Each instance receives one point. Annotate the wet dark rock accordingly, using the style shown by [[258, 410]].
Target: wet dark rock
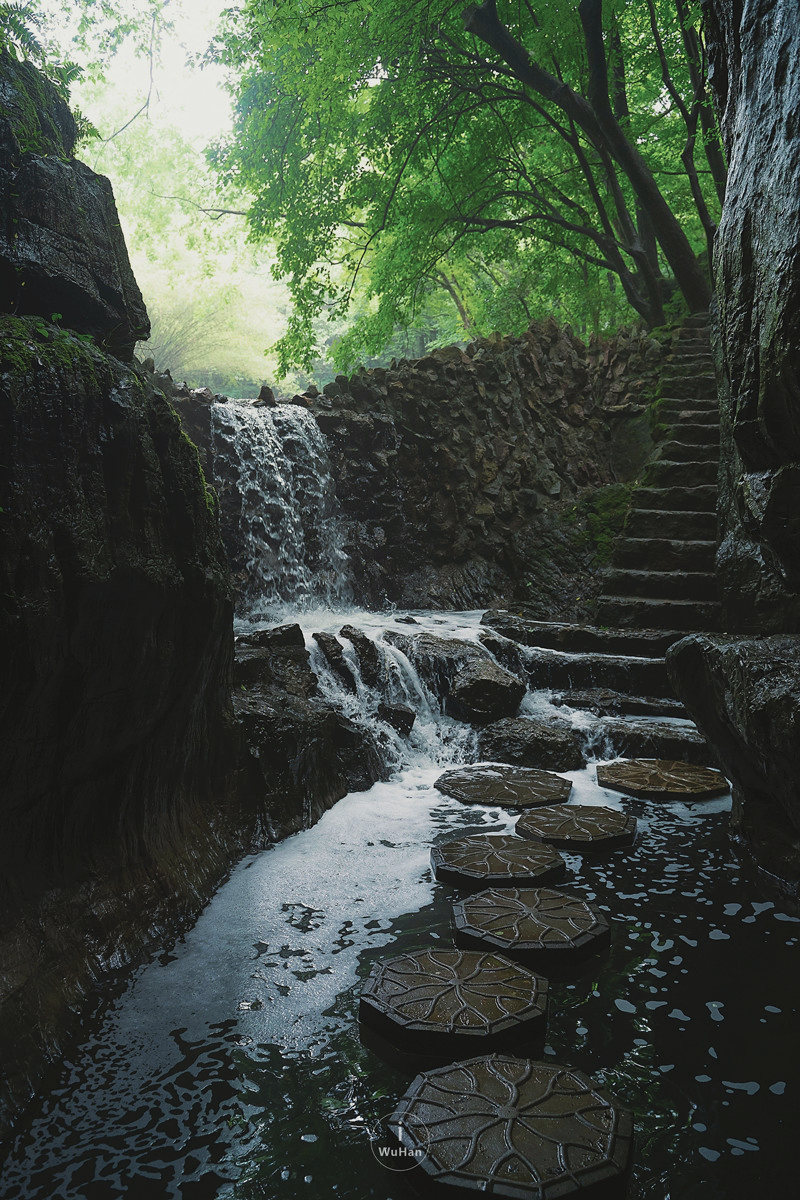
[[273, 658], [458, 474], [401, 717], [650, 739], [532, 743], [463, 1114], [661, 779], [531, 924], [279, 635], [549, 635], [462, 675], [266, 396], [370, 662], [115, 660], [507, 787], [755, 73], [578, 827], [744, 695], [495, 861], [604, 702], [453, 1002], [334, 656], [483, 691], [61, 246]]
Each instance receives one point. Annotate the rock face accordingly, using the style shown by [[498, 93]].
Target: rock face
[[458, 473], [743, 693], [115, 657], [298, 755], [61, 246], [755, 60]]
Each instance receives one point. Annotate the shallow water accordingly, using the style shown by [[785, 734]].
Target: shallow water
[[231, 1066]]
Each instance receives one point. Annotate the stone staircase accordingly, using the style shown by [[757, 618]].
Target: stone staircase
[[662, 569]]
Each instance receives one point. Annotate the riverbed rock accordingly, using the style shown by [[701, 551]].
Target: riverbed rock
[[744, 694], [618, 738], [469, 684], [370, 660], [333, 654], [61, 245], [401, 717], [298, 754], [526, 742]]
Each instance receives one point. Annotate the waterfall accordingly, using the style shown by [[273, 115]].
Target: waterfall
[[274, 461]]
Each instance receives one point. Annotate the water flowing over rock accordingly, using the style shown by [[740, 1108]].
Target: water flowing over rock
[[278, 504], [61, 245]]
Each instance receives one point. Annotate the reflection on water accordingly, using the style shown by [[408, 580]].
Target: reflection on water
[[231, 1067]]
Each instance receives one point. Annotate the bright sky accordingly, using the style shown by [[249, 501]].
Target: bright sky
[[193, 100]]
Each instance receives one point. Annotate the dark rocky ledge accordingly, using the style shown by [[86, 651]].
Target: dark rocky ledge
[[744, 694]]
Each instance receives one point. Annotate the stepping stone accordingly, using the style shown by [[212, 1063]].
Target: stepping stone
[[662, 779], [531, 923], [515, 1128], [505, 787], [495, 860], [578, 827], [454, 1002]]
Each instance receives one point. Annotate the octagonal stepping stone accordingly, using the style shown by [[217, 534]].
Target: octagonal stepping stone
[[578, 827], [662, 779], [495, 860], [453, 1002], [517, 1129], [504, 786], [531, 923]]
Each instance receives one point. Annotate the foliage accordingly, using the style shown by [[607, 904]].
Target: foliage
[[386, 141]]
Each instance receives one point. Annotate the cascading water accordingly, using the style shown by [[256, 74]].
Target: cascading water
[[276, 461]]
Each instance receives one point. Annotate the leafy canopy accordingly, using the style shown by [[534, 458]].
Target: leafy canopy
[[387, 143]]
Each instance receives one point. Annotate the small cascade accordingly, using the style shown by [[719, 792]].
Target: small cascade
[[275, 461]]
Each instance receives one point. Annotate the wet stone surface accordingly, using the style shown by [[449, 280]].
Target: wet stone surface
[[446, 1001], [528, 923], [661, 779], [515, 1128], [504, 786], [495, 860], [578, 827]]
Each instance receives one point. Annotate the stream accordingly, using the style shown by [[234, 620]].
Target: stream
[[230, 1065]]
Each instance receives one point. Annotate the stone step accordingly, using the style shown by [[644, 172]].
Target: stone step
[[657, 523], [604, 702], [679, 451], [694, 499], [663, 554], [702, 387], [571, 672], [666, 585], [638, 612], [686, 366], [551, 635], [701, 412], [697, 433], [614, 737], [664, 473]]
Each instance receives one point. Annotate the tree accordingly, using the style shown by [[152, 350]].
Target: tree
[[383, 139]]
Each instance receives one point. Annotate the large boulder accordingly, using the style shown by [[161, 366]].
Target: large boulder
[[298, 755], [744, 694], [61, 246], [526, 742], [462, 675]]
